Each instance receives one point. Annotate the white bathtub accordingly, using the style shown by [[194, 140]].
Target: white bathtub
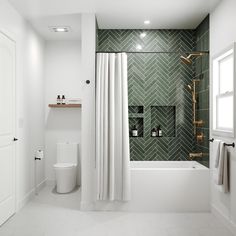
[[148, 165], [166, 186]]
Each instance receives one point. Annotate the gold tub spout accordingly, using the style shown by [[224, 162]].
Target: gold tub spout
[[195, 155]]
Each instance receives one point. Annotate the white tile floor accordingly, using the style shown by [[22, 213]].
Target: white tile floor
[[50, 214]]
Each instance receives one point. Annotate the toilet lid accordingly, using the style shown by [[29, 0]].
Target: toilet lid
[[64, 165]]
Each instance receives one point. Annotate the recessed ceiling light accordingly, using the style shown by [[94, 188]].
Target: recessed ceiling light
[[139, 47], [59, 29], [147, 22], [143, 35]]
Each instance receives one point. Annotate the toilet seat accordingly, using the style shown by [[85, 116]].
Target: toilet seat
[[64, 165]]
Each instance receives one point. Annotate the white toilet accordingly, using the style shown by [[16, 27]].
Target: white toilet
[[66, 167]]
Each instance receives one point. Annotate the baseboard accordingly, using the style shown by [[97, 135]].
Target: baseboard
[[50, 182], [41, 185], [87, 206], [29, 196], [226, 221]]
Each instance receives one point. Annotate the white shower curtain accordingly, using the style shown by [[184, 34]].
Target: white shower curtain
[[112, 128]]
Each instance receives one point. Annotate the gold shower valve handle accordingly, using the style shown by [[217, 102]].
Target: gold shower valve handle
[[200, 137], [198, 122]]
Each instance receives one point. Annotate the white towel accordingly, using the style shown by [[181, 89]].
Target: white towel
[[220, 164], [221, 167], [217, 145], [216, 152]]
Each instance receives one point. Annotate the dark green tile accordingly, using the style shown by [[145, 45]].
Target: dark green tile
[[160, 80]]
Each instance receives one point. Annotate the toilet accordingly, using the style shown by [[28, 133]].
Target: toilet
[[66, 167]]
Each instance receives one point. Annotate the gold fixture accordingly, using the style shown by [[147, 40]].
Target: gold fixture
[[200, 137], [198, 123], [195, 155], [187, 60]]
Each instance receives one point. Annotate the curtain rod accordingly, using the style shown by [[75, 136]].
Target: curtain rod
[[151, 52]]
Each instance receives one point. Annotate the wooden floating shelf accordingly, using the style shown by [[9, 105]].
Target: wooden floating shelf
[[64, 105]]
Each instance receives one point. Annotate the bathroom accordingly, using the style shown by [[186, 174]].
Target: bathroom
[[114, 118]]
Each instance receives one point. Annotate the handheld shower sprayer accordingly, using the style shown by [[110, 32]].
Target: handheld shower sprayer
[[191, 89]]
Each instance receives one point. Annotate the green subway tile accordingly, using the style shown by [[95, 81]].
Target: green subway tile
[[202, 28]]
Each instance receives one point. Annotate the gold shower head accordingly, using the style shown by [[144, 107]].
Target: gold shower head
[[187, 60]]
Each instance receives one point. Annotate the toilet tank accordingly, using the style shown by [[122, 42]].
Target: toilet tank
[[67, 152]]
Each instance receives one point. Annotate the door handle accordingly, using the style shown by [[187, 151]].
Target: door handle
[[15, 139]]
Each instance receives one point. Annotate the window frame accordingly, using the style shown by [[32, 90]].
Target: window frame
[[216, 95]]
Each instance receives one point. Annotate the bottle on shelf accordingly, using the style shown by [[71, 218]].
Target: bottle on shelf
[[159, 131], [134, 131], [58, 99], [63, 99], [153, 132]]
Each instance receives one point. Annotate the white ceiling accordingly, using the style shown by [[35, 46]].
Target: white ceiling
[[118, 14]]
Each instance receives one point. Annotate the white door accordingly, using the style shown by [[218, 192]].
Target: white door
[[7, 127]]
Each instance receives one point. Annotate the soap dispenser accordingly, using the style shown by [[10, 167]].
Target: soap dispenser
[[63, 100], [58, 99], [159, 131], [134, 131], [154, 132]]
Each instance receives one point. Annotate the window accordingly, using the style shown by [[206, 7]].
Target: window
[[223, 93]]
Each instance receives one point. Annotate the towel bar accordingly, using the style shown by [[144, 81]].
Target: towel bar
[[225, 144], [229, 144]]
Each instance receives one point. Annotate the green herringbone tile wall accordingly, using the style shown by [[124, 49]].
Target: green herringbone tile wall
[[165, 117], [157, 81], [155, 40], [202, 71]]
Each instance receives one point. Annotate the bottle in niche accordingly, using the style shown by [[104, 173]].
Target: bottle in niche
[[63, 99], [134, 131], [58, 99], [154, 132], [159, 131]]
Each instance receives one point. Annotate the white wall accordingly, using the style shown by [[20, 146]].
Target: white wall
[[88, 49], [222, 34], [63, 76], [29, 98]]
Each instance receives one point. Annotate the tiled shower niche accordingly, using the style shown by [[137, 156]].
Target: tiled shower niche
[[136, 110], [165, 117], [138, 123], [136, 115]]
